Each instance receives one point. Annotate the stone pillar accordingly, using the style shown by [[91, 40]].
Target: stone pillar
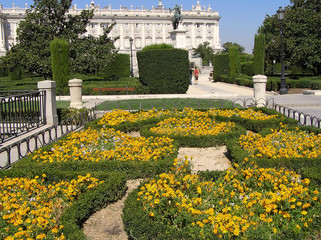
[[51, 109], [75, 93], [259, 86], [179, 38]]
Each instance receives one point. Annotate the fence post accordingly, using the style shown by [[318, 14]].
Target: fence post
[[259, 86], [75, 93], [50, 101]]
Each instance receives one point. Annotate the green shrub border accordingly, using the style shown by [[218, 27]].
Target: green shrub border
[[88, 203], [307, 167], [138, 224], [111, 190], [259, 125], [197, 141]]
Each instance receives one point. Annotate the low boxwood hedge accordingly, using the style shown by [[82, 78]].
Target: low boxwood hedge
[[307, 167], [198, 141], [125, 126], [89, 202], [138, 224], [259, 125]]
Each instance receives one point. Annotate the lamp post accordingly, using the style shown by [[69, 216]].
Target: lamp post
[[131, 57], [283, 89]]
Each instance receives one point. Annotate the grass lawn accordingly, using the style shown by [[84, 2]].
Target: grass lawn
[[62, 104], [178, 103]]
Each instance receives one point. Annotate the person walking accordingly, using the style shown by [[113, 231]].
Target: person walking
[[191, 76], [196, 75]]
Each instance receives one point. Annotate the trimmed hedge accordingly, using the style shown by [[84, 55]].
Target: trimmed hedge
[[59, 49], [198, 141], [247, 68], [307, 167], [221, 65], [164, 71], [259, 52], [257, 125], [119, 68], [138, 224], [90, 202], [113, 188], [234, 63]]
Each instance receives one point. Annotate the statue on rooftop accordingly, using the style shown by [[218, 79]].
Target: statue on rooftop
[[177, 18]]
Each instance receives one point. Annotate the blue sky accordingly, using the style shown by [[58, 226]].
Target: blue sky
[[239, 22]]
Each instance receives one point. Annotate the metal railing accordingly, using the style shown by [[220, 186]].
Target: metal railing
[[21, 148], [20, 112]]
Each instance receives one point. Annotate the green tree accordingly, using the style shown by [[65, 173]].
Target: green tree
[[91, 55], [45, 20], [259, 48], [59, 49], [205, 52], [271, 31], [233, 53], [227, 45], [302, 35]]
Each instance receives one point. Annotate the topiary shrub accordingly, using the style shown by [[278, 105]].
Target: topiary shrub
[[164, 71], [158, 46], [259, 51], [221, 65], [119, 68], [233, 53], [247, 68], [59, 49]]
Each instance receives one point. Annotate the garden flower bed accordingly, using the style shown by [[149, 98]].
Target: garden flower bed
[[249, 203], [30, 209], [105, 149], [242, 202]]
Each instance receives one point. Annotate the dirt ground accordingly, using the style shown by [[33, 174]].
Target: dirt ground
[[107, 223]]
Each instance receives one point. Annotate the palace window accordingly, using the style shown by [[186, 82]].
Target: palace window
[[126, 25]]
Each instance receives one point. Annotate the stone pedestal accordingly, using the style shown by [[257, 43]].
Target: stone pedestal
[[51, 109], [179, 38], [75, 93], [259, 86]]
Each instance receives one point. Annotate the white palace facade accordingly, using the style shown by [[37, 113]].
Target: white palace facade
[[144, 26]]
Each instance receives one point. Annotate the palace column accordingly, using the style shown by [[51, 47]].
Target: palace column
[[3, 49], [143, 35], [216, 34], [193, 43], [121, 33], [153, 33]]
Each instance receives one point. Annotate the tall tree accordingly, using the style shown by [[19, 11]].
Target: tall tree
[[302, 35], [45, 20], [205, 52], [227, 45], [90, 54]]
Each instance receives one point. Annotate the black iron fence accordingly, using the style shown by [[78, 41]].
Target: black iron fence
[[46, 135], [20, 112]]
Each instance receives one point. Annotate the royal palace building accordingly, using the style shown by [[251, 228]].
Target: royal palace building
[[143, 26]]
